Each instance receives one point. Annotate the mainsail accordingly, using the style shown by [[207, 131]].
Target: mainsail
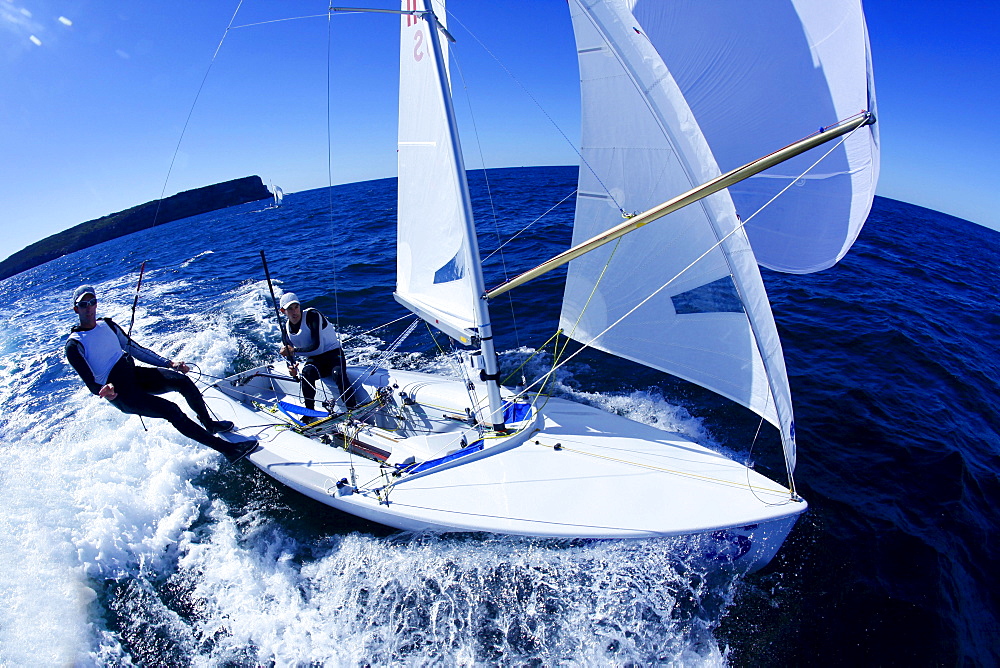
[[437, 269]]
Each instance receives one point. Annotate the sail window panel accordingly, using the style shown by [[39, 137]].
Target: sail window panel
[[655, 334], [453, 271], [430, 236], [714, 350], [656, 253], [448, 299], [645, 260], [719, 296]]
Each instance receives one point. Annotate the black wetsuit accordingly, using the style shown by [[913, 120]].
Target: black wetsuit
[[137, 387]]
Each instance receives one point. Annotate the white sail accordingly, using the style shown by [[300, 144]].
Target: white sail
[[436, 274], [641, 145], [760, 75], [682, 294]]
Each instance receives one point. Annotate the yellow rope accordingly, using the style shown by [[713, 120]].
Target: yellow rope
[[434, 338], [532, 356], [593, 291], [557, 352]]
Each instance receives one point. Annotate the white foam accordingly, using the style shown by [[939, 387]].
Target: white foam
[[359, 600], [187, 263], [88, 497]]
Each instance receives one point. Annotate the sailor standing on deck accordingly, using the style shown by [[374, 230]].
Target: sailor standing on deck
[[102, 354], [312, 335]]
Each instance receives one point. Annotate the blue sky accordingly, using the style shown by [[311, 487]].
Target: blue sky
[[96, 93]]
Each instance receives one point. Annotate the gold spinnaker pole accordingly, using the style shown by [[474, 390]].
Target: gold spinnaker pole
[[690, 197]]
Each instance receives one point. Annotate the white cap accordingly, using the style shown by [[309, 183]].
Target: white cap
[[84, 290], [288, 299]]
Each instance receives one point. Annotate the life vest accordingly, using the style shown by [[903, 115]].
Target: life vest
[[101, 349], [328, 339]]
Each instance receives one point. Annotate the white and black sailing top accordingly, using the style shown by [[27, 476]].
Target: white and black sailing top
[[316, 337], [95, 352]]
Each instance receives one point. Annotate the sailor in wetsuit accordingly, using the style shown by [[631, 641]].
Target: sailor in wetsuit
[[312, 335], [102, 354]]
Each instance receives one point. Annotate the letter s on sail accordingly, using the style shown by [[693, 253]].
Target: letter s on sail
[[418, 38]]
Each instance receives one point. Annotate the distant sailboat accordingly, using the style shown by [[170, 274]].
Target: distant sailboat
[[279, 196], [665, 95]]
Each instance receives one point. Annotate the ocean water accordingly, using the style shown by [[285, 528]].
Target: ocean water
[[125, 543]]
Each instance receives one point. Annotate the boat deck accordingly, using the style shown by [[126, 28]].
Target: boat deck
[[575, 472]]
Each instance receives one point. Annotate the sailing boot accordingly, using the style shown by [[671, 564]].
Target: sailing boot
[[234, 452], [217, 426]]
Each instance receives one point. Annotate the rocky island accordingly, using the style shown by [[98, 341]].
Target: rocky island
[[182, 205]]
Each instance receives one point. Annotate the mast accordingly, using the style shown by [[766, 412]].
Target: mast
[[490, 374], [471, 322]]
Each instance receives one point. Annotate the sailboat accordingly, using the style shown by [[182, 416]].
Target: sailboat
[[279, 196], [692, 172]]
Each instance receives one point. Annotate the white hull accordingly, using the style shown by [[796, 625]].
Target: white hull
[[570, 471]]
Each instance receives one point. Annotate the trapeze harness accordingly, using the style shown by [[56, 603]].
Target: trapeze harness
[[95, 352], [304, 338], [104, 355]]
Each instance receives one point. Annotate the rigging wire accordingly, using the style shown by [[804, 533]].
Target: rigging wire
[[682, 473], [194, 103], [526, 227], [329, 163], [290, 18], [452, 356], [489, 193], [739, 226], [390, 349], [375, 329], [746, 467], [524, 89]]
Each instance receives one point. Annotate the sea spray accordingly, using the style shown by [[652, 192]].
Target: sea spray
[[431, 599]]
